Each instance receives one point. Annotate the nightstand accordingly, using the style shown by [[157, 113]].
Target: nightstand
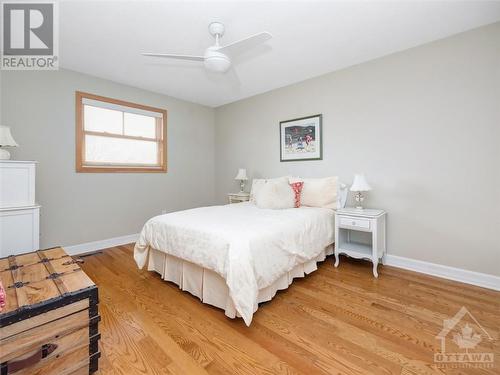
[[360, 234], [238, 197]]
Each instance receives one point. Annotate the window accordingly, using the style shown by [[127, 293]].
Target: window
[[117, 136]]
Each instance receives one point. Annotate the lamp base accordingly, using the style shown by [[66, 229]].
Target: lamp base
[[359, 199], [4, 154]]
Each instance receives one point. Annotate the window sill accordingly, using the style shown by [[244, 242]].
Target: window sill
[[113, 169]]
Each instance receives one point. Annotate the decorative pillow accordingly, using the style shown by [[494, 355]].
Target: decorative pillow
[[275, 194], [258, 183], [319, 192], [297, 188]]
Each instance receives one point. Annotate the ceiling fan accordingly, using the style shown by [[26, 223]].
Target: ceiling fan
[[217, 58]]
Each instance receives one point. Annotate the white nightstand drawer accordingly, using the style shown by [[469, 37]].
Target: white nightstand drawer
[[355, 223], [238, 198]]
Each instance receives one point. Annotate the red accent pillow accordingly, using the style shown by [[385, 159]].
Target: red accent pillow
[[297, 188]]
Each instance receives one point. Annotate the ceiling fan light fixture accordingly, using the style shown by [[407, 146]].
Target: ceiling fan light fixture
[[218, 63]]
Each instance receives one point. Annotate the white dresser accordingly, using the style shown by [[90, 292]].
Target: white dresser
[[19, 213]]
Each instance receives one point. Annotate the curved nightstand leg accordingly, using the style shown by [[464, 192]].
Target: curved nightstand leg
[[375, 273], [336, 260]]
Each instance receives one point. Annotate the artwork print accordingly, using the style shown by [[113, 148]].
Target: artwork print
[[301, 139]]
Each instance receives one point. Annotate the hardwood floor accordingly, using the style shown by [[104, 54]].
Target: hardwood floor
[[334, 321]]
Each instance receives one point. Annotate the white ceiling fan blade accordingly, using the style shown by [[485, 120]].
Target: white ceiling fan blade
[[172, 56], [245, 44]]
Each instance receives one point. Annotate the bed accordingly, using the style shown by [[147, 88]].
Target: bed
[[238, 255]]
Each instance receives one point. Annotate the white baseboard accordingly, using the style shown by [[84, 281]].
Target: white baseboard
[[89, 247], [457, 274]]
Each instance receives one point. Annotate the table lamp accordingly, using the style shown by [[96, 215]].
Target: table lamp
[[359, 185], [242, 177]]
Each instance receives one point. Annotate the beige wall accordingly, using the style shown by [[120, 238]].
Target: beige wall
[[423, 124], [84, 207]]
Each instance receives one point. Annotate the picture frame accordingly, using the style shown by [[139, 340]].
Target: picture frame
[[301, 139]]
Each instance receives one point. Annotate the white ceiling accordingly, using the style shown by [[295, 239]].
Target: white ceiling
[[310, 38]]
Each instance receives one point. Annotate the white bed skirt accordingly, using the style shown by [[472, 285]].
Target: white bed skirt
[[211, 288]]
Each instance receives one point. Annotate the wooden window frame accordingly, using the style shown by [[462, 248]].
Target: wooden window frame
[[161, 124]]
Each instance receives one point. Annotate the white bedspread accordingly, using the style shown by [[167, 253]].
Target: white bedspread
[[248, 246]]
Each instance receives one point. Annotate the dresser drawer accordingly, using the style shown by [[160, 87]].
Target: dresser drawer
[[352, 222], [17, 183], [20, 230]]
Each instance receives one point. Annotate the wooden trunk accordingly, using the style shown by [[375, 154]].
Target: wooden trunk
[[49, 324]]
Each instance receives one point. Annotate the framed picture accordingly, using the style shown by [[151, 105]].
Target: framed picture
[[300, 139]]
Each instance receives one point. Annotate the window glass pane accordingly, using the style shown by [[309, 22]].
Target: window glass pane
[[120, 151], [102, 120], [139, 125]]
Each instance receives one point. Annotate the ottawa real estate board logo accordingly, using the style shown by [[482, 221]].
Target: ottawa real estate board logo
[[30, 39], [463, 342]]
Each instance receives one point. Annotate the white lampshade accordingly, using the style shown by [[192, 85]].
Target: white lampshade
[[6, 138], [242, 174], [360, 183]]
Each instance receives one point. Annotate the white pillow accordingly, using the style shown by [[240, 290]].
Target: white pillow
[[319, 192], [258, 183], [275, 194]]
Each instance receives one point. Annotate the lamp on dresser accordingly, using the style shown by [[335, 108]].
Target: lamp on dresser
[[6, 140]]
